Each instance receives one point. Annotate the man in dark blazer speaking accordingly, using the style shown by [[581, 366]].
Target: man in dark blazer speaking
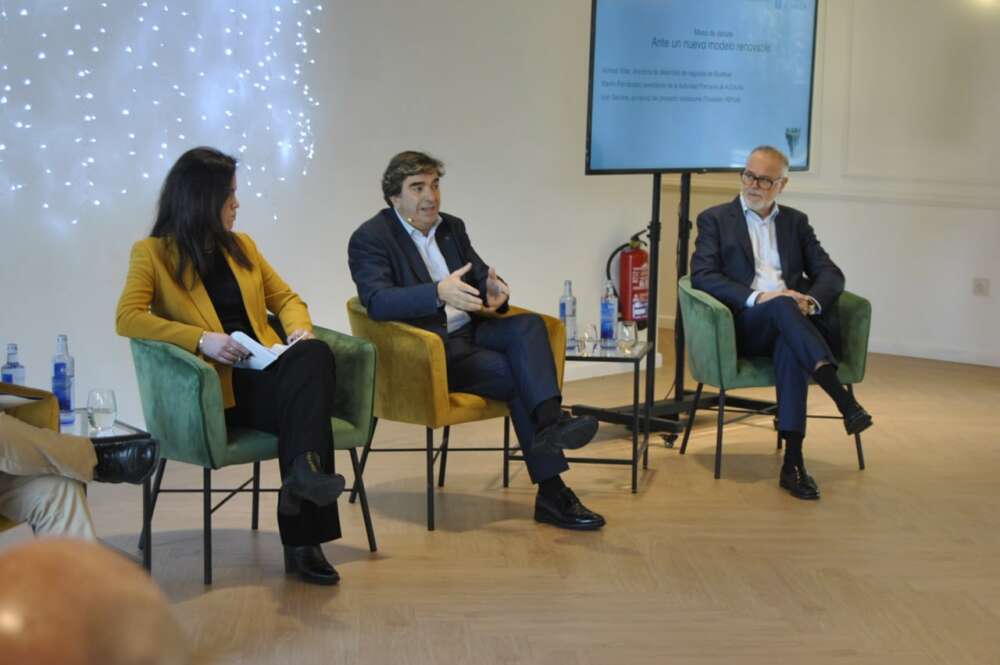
[[415, 264], [765, 263]]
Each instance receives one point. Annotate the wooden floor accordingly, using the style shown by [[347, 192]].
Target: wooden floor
[[899, 563]]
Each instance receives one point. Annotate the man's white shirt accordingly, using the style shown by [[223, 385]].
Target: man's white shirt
[[433, 259], [767, 261]]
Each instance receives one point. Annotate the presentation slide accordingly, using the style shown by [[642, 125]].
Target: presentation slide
[[678, 85]]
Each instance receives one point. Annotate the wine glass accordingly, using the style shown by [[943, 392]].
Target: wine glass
[[588, 340], [627, 336], [102, 410]]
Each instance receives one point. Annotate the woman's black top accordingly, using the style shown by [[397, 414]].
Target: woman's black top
[[224, 291]]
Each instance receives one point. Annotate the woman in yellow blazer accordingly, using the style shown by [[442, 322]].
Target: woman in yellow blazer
[[193, 283]]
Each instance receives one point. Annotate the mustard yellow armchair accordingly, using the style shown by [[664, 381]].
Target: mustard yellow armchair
[[42, 413], [411, 386]]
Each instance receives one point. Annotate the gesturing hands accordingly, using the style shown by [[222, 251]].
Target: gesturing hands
[[497, 291], [453, 291], [222, 348]]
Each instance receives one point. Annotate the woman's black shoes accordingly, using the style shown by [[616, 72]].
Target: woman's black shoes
[[857, 420], [306, 481], [310, 565]]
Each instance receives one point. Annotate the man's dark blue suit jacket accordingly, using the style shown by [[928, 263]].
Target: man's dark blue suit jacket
[[723, 261], [392, 280]]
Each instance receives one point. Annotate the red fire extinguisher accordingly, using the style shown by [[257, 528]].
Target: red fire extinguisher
[[633, 278], [633, 281]]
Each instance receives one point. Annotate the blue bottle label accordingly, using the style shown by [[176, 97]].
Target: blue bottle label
[[608, 320], [62, 385], [7, 378]]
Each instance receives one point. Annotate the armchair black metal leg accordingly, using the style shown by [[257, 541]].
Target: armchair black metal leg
[[364, 463], [255, 503], [444, 456], [506, 451], [857, 436], [690, 422], [152, 501], [430, 479], [207, 504], [365, 513], [778, 435], [147, 518], [718, 433]]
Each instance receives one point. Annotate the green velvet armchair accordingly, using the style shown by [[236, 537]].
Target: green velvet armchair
[[411, 386], [182, 404], [710, 338]]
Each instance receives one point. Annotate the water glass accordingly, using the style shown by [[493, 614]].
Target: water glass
[[102, 409], [589, 340], [627, 336]]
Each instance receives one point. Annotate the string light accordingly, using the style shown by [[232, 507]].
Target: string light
[[128, 77]]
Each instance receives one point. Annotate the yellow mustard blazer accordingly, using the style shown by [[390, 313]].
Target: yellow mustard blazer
[[153, 305]]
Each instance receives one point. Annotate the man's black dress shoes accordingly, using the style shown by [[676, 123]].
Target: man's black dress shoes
[[310, 565], [799, 483], [857, 420], [125, 461], [566, 512], [306, 481], [569, 432]]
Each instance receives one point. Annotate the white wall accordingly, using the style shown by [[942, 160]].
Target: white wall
[[497, 90], [903, 190]]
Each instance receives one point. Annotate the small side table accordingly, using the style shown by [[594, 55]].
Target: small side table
[[120, 431], [635, 356]]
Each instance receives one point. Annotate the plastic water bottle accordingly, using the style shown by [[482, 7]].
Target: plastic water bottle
[[12, 371], [609, 316], [63, 371], [567, 313]]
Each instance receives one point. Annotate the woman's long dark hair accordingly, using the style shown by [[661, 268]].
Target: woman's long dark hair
[[189, 213]]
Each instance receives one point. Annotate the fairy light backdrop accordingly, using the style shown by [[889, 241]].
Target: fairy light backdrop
[[98, 98]]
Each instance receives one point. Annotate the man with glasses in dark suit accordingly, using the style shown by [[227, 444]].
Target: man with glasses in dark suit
[[765, 263]]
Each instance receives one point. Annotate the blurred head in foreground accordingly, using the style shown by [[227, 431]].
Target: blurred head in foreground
[[73, 602]]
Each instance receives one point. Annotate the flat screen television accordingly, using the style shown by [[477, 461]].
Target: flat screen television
[[695, 85]]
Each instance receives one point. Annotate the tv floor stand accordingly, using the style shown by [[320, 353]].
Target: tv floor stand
[[668, 415]]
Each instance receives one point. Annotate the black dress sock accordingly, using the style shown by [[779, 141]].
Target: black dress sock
[[547, 412], [793, 450], [826, 377], [550, 487]]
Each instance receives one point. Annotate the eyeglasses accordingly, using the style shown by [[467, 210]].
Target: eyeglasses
[[764, 182]]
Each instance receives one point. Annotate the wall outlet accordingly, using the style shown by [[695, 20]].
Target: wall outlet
[[981, 286]]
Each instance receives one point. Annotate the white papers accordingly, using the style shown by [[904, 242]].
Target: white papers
[[261, 356]]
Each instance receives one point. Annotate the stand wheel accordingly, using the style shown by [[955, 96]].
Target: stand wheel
[[668, 440]]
